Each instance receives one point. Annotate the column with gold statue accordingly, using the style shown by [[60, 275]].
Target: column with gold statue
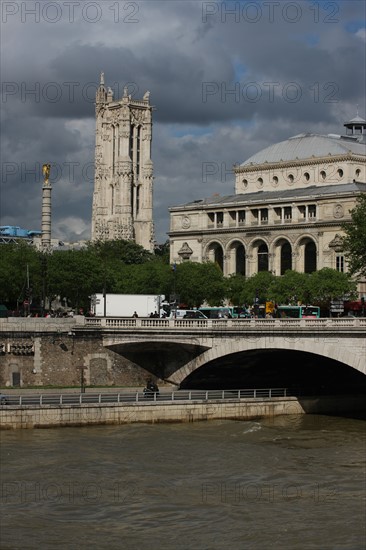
[[46, 207]]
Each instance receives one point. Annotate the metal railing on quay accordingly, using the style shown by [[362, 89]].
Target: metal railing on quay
[[141, 397]]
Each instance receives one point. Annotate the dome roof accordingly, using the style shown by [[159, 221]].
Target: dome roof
[[307, 146], [356, 120]]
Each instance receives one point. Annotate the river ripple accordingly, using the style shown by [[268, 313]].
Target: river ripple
[[294, 482]]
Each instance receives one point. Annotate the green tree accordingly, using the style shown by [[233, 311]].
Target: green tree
[[354, 242], [153, 277], [163, 251], [196, 283], [75, 275], [120, 250], [257, 286], [235, 285], [119, 260], [290, 288], [328, 284], [18, 261]]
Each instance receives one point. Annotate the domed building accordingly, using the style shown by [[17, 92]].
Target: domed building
[[290, 202]]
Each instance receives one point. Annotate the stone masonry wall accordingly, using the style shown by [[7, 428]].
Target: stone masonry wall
[[61, 360]]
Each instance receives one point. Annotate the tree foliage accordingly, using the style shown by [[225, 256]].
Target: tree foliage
[[196, 283], [290, 288], [328, 284], [121, 267], [20, 264], [235, 285], [354, 242], [123, 251], [74, 275]]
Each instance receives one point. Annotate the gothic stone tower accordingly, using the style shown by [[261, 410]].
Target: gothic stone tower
[[123, 187]]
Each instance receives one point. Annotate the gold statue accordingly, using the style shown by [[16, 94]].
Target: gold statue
[[46, 170]]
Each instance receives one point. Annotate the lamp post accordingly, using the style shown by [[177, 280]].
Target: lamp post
[[104, 296], [103, 258], [44, 278], [82, 379], [174, 268]]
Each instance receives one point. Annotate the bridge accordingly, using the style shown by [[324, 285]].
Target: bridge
[[204, 353], [202, 342]]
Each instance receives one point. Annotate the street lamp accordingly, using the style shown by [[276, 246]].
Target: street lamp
[[44, 278], [82, 378], [173, 298]]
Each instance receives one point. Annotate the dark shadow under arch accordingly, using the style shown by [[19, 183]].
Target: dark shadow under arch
[[302, 373]]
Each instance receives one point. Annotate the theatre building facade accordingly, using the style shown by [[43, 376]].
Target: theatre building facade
[[290, 202]]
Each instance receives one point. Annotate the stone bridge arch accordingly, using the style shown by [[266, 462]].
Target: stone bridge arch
[[349, 357]]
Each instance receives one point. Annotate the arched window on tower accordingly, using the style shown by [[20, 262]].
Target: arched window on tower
[[262, 257], [112, 199], [137, 198], [114, 148], [138, 138], [130, 148]]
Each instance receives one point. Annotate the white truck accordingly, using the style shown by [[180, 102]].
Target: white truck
[[126, 305]]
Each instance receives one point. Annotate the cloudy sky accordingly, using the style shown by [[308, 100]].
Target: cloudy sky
[[226, 78]]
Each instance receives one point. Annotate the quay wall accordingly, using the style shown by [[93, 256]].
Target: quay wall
[[51, 416]]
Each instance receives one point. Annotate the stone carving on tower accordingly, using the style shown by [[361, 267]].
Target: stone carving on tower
[[123, 188]]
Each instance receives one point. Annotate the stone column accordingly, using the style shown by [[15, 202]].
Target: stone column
[[46, 208]]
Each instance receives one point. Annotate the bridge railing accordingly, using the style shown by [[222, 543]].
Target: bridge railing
[[221, 324], [163, 397], [49, 325]]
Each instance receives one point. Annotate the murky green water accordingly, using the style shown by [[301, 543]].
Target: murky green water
[[295, 482]]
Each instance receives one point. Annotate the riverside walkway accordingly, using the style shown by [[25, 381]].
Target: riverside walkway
[[87, 409], [69, 398]]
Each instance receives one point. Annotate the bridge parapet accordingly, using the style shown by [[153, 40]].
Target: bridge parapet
[[39, 325], [224, 324]]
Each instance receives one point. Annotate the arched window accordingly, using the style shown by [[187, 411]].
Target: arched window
[[138, 139], [114, 148], [286, 257], [262, 257], [310, 257], [219, 257], [216, 254], [137, 199], [112, 199], [240, 259]]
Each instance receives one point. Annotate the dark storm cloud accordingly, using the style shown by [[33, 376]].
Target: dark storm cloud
[[224, 87]]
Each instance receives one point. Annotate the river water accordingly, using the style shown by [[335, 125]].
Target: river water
[[292, 482]]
